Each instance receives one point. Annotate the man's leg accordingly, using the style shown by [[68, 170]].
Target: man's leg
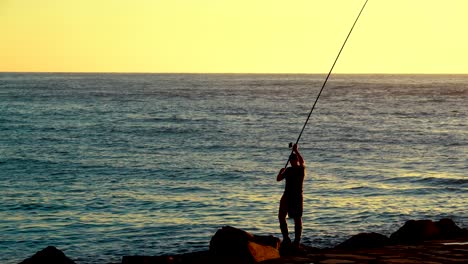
[[297, 230], [283, 211]]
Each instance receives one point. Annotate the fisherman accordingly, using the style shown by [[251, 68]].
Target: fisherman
[[291, 202]]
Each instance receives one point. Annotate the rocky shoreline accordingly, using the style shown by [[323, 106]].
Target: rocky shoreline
[[417, 241]]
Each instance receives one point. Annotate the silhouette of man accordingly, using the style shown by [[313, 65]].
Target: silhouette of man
[[291, 202]]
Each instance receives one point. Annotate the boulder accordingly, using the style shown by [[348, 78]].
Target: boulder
[[243, 246], [448, 229], [365, 240], [420, 230], [415, 231], [49, 255]]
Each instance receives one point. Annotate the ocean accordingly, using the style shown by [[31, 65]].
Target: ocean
[[107, 165]]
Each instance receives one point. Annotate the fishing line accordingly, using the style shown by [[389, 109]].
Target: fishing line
[[326, 79]]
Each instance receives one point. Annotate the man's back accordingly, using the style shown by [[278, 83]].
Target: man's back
[[294, 180]]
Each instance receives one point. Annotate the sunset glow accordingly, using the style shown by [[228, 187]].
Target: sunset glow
[[259, 36]]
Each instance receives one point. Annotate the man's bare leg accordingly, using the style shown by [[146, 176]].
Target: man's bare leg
[[282, 213], [297, 230]]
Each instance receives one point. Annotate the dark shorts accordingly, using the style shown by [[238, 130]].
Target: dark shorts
[[293, 205]]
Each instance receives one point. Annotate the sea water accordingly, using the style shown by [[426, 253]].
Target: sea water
[[106, 165]]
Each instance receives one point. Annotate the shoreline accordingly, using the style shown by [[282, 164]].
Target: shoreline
[[417, 241], [434, 252]]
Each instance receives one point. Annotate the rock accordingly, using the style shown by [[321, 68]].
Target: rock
[[287, 249], [448, 229], [243, 246], [420, 230], [49, 255], [415, 231], [204, 257], [261, 252], [267, 241], [365, 240], [147, 259]]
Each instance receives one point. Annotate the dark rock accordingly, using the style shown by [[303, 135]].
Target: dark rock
[[365, 240], [243, 246], [420, 230], [289, 249], [414, 231], [229, 240], [267, 241], [448, 229], [204, 257], [49, 255], [147, 260]]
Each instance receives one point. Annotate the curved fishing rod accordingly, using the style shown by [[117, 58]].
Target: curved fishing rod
[[328, 76]]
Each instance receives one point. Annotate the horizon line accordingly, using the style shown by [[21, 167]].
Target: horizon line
[[252, 73]]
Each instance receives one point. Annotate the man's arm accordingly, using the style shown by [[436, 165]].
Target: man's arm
[[280, 176], [299, 156]]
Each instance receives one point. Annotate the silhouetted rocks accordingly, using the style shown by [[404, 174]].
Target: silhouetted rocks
[[433, 242], [365, 240], [243, 246], [421, 230], [49, 255], [413, 231]]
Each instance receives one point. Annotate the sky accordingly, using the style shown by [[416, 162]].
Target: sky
[[233, 36]]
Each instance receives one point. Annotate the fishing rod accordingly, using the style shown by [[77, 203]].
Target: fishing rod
[[326, 79]]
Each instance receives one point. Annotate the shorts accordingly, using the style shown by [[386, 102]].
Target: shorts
[[293, 205]]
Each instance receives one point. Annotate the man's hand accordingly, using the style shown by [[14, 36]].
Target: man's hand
[[299, 156], [280, 176], [294, 148]]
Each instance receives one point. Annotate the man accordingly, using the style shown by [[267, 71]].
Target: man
[[292, 200]]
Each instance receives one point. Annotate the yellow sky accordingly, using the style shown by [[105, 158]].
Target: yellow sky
[[249, 36]]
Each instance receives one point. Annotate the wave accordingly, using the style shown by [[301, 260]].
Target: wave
[[169, 119], [431, 181], [442, 181], [36, 207]]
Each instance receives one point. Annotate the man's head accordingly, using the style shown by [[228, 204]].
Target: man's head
[[294, 160]]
